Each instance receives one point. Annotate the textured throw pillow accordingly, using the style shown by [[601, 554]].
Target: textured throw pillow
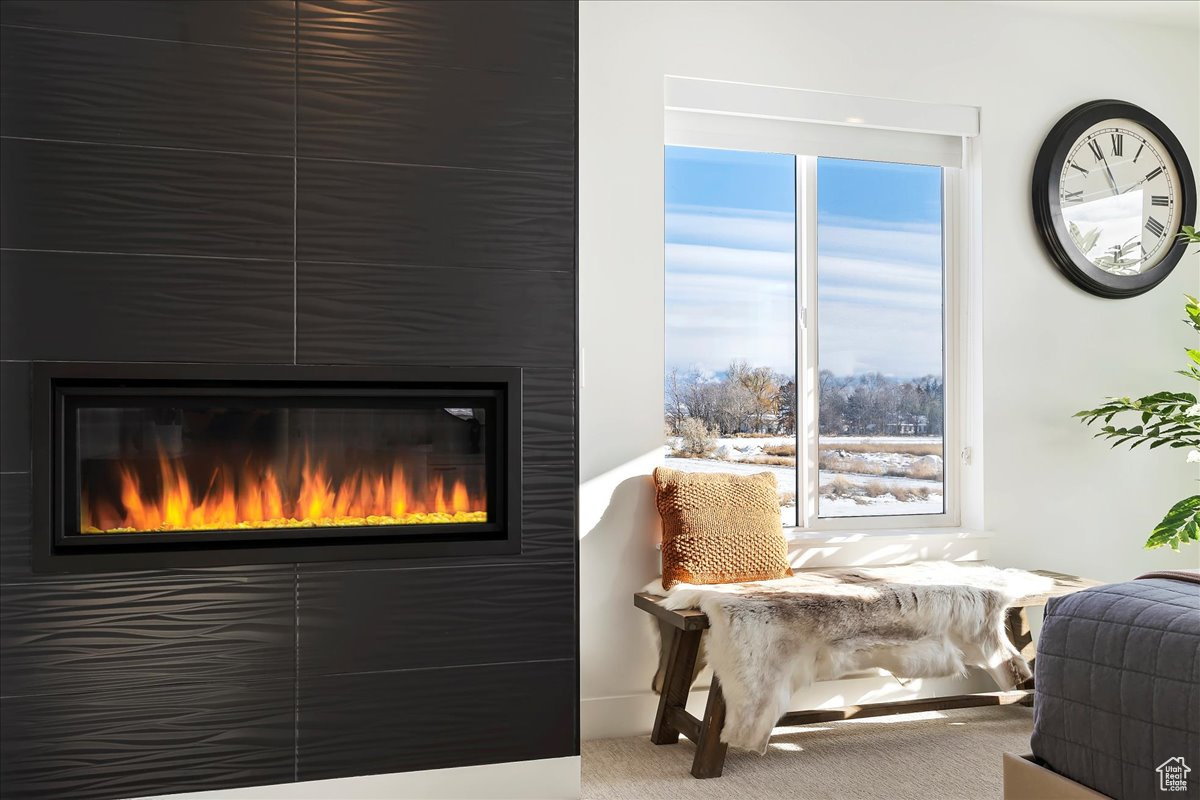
[[719, 528]]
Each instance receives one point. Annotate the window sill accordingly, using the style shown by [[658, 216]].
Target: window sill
[[819, 549], [800, 537]]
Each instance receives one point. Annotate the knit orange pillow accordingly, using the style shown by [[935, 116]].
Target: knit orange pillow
[[719, 527]]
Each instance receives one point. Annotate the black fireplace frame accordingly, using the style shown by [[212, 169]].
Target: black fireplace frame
[[56, 550]]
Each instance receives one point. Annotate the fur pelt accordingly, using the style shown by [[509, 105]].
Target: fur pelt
[[768, 639]]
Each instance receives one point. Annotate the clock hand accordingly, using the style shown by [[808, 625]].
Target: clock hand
[[1134, 186], [1112, 182]]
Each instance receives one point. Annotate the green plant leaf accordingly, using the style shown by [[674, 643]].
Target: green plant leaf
[[1180, 525], [1193, 305], [1164, 419]]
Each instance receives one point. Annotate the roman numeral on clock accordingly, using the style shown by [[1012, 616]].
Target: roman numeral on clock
[[1139, 152], [1155, 227], [1073, 197], [1095, 148], [1160, 200], [1076, 166], [1153, 173], [1118, 144]]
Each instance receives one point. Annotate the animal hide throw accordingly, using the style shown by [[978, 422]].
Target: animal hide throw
[[767, 639]]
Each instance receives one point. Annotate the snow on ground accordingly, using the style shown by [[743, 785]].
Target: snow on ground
[[883, 506], [732, 449], [884, 440], [830, 441], [785, 477]]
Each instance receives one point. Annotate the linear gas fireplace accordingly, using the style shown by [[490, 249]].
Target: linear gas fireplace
[[140, 465]]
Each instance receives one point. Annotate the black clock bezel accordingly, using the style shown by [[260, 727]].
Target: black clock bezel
[[1047, 208]]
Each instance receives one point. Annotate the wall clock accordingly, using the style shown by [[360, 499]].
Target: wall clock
[[1111, 189]]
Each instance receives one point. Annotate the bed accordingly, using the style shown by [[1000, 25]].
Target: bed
[[1117, 706]]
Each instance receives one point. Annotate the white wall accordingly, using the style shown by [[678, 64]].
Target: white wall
[[1052, 497]]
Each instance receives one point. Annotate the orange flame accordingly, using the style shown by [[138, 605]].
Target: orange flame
[[256, 498]]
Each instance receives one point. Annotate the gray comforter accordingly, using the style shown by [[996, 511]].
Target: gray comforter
[[1118, 688]]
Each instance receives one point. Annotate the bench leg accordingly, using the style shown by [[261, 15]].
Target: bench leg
[[677, 682], [710, 750], [1016, 623], [665, 632]]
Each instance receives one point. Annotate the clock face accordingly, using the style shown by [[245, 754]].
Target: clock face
[[1120, 196]]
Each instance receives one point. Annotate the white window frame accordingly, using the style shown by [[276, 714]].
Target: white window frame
[[714, 115]]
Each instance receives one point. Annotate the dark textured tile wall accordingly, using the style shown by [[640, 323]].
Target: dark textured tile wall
[[261, 24], [101, 198], [357, 313], [471, 615], [549, 508], [369, 212], [549, 415], [89, 635], [390, 110], [281, 182], [14, 411], [145, 92], [522, 37], [145, 308], [16, 525], [490, 713], [132, 741]]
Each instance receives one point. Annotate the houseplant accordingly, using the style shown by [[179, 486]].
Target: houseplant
[[1170, 419]]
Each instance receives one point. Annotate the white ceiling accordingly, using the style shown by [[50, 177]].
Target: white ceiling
[[1171, 13]]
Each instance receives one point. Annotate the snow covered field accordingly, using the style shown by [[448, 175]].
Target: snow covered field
[[858, 486]]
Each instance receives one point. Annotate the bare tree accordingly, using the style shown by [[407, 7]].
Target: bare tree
[[756, 399], [676, 406]]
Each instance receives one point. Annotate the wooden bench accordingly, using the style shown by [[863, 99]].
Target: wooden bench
[[682, 630]]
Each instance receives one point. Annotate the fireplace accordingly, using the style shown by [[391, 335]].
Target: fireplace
[[148, 465]]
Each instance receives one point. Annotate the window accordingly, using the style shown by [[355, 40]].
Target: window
[[731, 314], [881, 411], [805, 330]]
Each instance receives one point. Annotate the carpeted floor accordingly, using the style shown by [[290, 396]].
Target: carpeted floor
[[936, 755]]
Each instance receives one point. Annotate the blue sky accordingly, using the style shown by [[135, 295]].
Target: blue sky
[[730, 260]]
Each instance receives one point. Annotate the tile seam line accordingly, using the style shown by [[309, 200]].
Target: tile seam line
[[393, 264], [52, 579], [295, 182], [295, 358], [436, 668], [142, 147], [285, 261], [102, 35], [124, 254], [296, 155], [310, 573]]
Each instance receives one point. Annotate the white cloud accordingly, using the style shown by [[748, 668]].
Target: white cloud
[[725, 303], [874, 285], [900, 342], [731, 293], [726, 227], [731, 261], [912, 244], [866, 223]]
